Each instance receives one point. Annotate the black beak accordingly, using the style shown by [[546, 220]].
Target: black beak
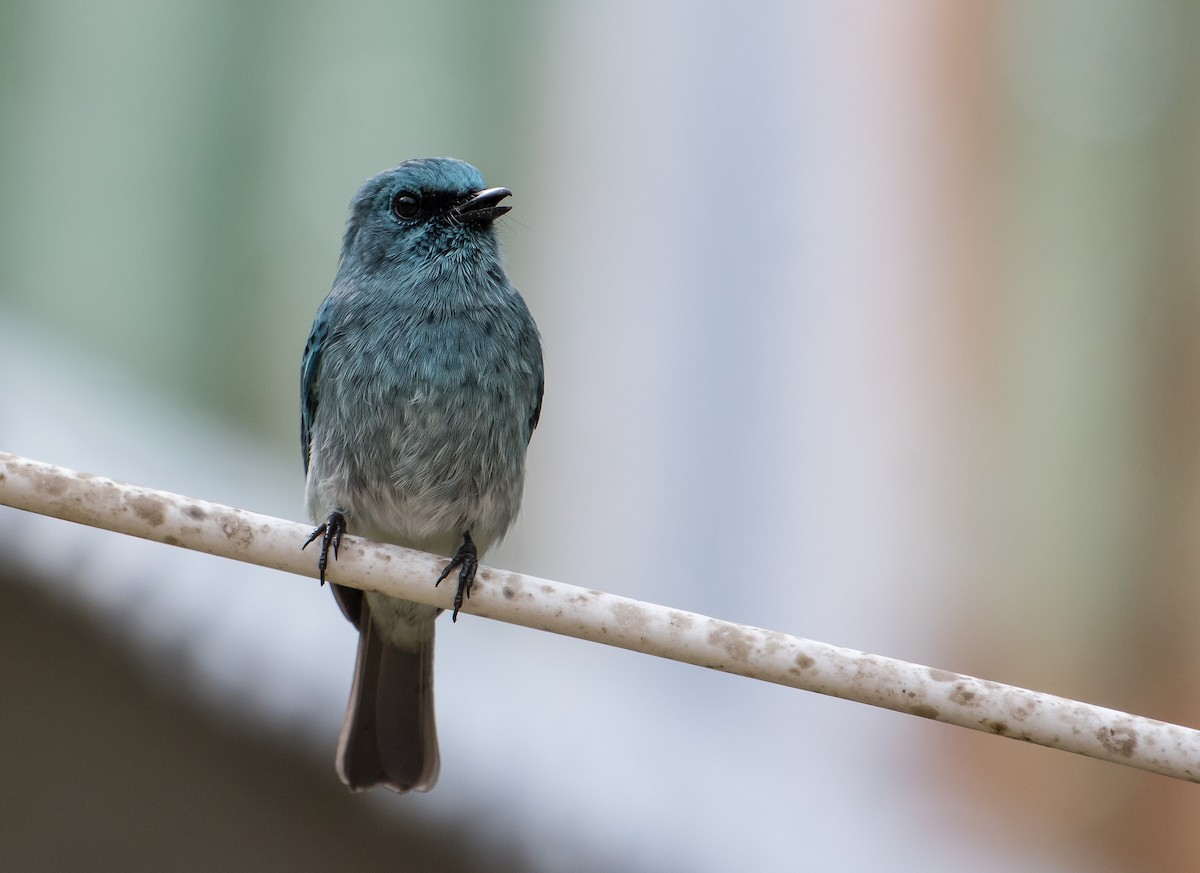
[[481, 207]]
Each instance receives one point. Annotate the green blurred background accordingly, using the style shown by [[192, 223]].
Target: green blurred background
[[177, 174]]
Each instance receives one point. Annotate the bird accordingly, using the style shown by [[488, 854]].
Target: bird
[[421, 385]]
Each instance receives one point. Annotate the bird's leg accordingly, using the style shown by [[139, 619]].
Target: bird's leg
[[330, 532], [467, 561]]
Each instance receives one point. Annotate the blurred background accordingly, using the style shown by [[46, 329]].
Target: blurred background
[[871, 322]]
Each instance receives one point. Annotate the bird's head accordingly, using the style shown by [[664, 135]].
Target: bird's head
[[429, 213]]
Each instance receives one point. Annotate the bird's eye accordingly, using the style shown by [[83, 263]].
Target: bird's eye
[[406, 205]]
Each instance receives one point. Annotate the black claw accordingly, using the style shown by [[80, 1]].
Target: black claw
[[330, 533], [467, 561]]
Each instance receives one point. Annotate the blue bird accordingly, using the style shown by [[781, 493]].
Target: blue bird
[[421, 385]]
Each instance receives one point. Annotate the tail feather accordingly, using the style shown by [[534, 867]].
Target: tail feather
[[389, 738]]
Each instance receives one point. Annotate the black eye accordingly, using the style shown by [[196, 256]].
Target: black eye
[[406, 205]]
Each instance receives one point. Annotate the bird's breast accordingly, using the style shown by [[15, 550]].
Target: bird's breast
[[422, 429]]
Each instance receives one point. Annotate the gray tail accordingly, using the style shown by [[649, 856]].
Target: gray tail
[[389, 738]]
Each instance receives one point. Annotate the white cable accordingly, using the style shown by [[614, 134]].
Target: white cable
[[953, 698]]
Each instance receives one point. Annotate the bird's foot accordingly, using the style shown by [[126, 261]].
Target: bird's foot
[[330, 533], [467, 561]]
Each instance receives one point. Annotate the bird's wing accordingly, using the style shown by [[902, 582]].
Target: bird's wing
[[532, 344], [309, 369], [536, 415], [349, 599]]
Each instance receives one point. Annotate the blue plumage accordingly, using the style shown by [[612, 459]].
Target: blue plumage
[[421, 385]]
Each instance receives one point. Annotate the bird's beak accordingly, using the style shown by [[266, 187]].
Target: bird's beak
[[482, 206]]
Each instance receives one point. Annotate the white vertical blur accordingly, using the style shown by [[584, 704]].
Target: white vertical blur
[[738, 237]]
